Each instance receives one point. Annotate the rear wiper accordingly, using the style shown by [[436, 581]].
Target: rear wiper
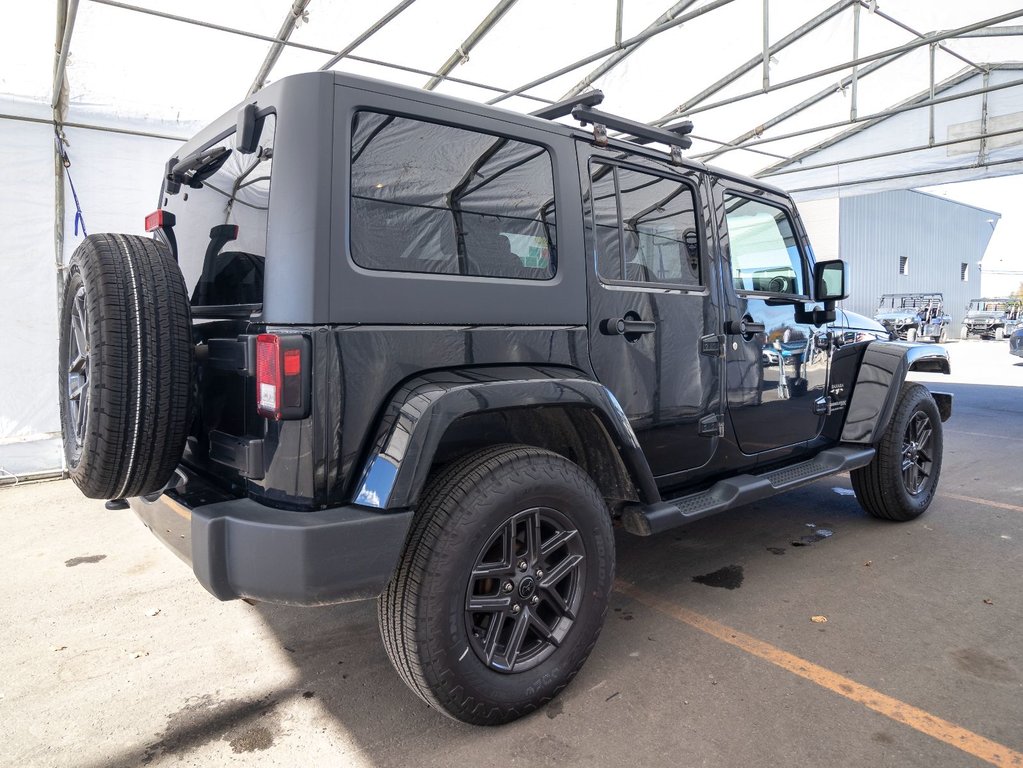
[[195, 168]]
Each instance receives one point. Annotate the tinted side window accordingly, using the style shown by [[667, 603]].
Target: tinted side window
[[222, 222], [431, 198], [763, 247], [645, 227]]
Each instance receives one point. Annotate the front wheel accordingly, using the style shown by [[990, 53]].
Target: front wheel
[[911, 334], [999, 334], [943, 336], [899, 483], [964, 333], [503, 584]]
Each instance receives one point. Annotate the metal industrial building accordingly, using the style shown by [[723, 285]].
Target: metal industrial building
[[903, 241]]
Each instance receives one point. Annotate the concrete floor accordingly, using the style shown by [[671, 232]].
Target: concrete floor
[[113, 655]]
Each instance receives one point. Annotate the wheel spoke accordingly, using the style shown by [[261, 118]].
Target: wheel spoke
[[543, 630], [532, 523], [554, 597], [488, 603], [924, 438], [560, 571], [493, 635], [557, 540], [518, 634], [83, 410]]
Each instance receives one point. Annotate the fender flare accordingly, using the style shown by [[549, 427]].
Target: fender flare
[[420, 412], [881, 375]]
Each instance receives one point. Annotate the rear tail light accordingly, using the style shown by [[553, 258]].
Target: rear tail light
[[282, 376], [159, 219]]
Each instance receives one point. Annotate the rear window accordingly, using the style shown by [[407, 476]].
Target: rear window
[[221, 225], [436, 199]]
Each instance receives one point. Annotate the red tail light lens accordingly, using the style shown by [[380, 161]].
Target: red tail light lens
[[268, 376], [282, 376], [154, 220]]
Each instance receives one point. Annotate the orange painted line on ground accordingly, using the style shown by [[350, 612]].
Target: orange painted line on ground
[[985, 502], [899, 711]]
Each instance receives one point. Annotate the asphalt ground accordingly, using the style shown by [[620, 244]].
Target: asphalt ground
[[113, 655]]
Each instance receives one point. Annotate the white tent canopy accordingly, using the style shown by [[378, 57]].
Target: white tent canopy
[[765, 81]]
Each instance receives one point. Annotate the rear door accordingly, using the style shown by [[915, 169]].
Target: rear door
[[776, 360], [650, 303]]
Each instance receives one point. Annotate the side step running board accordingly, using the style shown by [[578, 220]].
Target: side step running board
[[742, 489]]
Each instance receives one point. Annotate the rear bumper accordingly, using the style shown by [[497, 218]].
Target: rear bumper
[[240, 548]]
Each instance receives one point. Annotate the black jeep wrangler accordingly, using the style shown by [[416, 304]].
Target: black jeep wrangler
[[387, 343], [914, 316], [992, 318]]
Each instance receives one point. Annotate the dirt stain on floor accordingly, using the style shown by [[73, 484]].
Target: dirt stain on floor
[[729, 577], [248, 726], [981, 664], [85, 559]]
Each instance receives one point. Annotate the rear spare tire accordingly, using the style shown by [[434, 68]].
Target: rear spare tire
[[125, 366]]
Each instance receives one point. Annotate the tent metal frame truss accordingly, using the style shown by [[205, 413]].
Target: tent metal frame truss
[[679, 13]]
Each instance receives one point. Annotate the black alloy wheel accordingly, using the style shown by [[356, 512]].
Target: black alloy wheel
[[525, 590], [916, 453], [502, 587], [900, 481], [76, 364]]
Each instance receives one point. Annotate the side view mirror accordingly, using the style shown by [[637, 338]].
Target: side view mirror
[[831, 281]]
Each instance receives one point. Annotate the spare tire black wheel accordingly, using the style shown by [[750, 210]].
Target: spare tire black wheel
[[125, 360]]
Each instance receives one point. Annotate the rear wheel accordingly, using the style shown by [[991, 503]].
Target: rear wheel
[[125, 378], [900, 481], [503, 585]]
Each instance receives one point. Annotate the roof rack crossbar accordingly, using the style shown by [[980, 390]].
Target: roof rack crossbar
[[677, 137], [561, 108]]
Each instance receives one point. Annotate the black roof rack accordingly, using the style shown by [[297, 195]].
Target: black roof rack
[[562, 108], [677, 138]]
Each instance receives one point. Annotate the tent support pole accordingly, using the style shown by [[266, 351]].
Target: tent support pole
[[462, 52], [981, 137], [626, 44], [376, 27], [738, 72], [767, 46], [618, 22], [863, 118], [624, 51], [67, 11], [283, 35], [854, 85]]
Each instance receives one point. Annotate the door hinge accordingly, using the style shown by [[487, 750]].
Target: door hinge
[[712, 346], [712, 426]]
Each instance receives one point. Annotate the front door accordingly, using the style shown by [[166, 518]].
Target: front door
[[650, 303], [776, 360]]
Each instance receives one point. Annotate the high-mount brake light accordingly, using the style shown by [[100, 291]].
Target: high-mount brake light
[[282, 376]]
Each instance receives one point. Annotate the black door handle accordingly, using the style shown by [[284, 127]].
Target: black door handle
[[744, 327], [626, 326]]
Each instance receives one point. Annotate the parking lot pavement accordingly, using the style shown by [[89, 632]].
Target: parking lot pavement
[[115, 656]]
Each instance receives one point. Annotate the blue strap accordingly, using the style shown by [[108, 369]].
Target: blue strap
[[79, 216]]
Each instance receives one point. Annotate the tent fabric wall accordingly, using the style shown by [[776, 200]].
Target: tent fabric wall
[[116, 177], [29, 424]]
